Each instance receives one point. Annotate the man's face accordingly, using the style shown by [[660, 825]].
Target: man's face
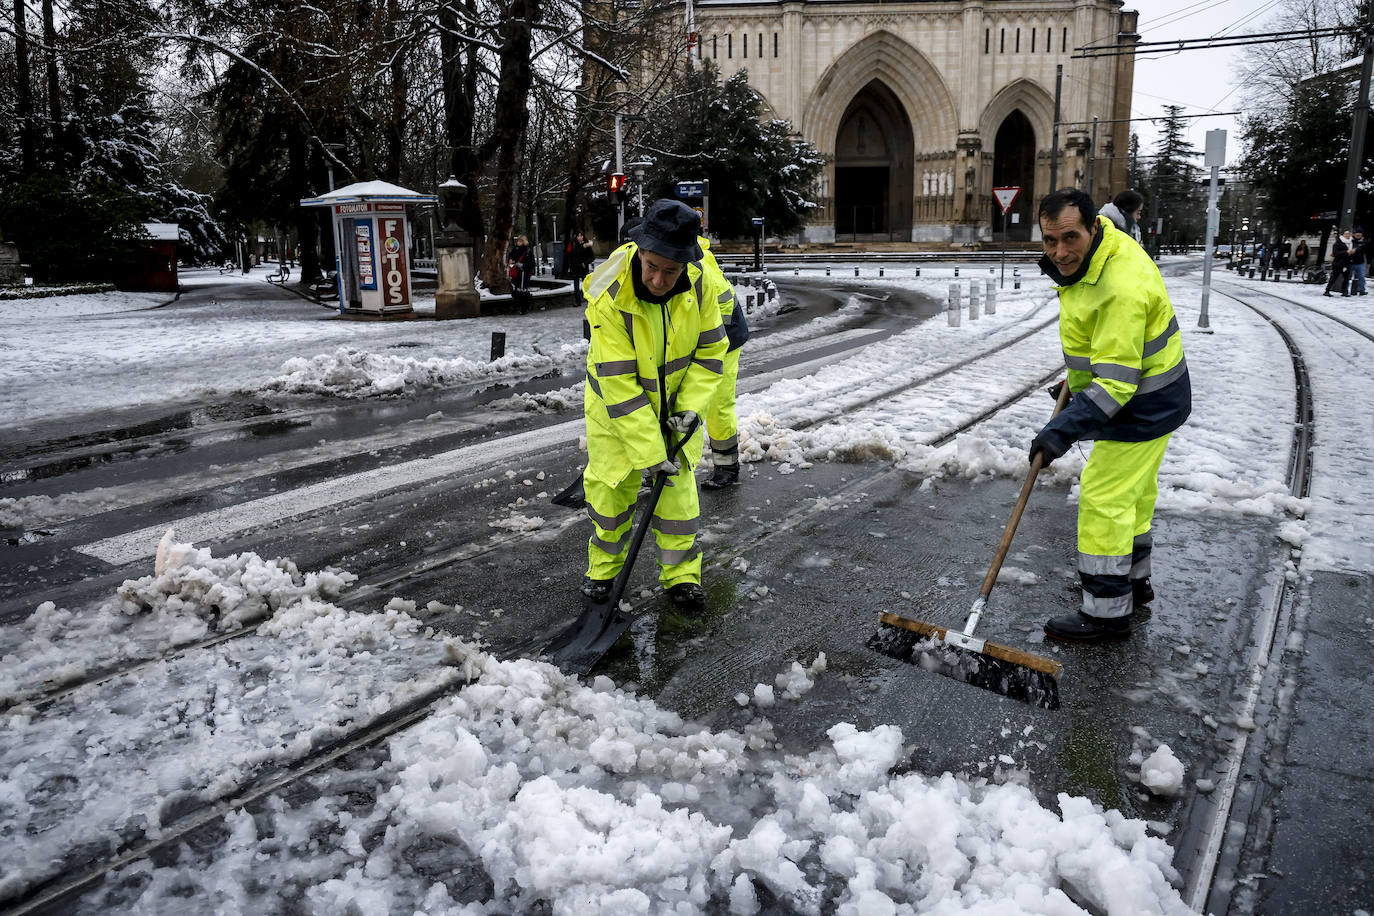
[[660, 274], [1066, 239], [1138, 210]]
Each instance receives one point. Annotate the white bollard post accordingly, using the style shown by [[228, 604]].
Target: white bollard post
[[973, 300], [991, 305], [952, 309]]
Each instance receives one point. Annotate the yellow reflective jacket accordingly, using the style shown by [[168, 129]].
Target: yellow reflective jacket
[[631, 340], [736, 327], [1123, 348]]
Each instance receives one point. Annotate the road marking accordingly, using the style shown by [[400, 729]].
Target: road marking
[[219, 524]]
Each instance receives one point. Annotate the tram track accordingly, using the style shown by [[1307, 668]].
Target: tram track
[[1261, 687]]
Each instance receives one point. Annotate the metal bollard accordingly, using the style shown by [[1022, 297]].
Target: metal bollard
[[749, 302], [956, 271], [1016, 271], [1015, 282], [827, 270], [856, 271], [498, 345], [990, 306], [880, 271], [973, 296], [796, 271], [918, 271], [1252, 273], [952, 309]]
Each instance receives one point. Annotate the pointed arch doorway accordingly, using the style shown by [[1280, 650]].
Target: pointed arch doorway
[[1013, 165], [874, 152]]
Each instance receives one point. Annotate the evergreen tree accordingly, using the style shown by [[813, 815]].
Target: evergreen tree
[[1174, 184], [709, 130]]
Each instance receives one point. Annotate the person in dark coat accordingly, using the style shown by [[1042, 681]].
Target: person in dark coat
[[1358, 262], [1340, 265], [1300, 253], [521, 261]]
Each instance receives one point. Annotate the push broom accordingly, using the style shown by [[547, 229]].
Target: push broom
[[1012, 672]]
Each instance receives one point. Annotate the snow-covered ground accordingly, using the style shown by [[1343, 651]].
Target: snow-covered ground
[[585, 795]]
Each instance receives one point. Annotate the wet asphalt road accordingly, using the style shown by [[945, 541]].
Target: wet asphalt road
[[802, 563]]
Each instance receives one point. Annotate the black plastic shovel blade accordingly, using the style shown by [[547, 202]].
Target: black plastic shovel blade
[[572, 496], [578, 648]]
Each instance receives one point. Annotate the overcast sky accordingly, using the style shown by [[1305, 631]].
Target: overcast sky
[[1203, 80]]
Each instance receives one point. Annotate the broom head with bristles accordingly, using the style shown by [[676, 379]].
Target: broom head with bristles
[[1012, 672]]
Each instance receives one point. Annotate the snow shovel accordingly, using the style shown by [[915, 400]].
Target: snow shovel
[[1012, 672], [578, 648], [572, 496]]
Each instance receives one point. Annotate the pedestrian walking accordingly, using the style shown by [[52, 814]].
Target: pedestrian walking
[[722, 422], [1300, 254], [654, 362], [1340, 265], [1131, 390], [1359, 265]]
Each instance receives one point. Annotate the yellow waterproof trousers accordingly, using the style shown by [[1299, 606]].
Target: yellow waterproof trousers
[[675, 523], [1116, 505], [722, 425]]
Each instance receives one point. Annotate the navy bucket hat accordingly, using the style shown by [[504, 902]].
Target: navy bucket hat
[[669, 230]]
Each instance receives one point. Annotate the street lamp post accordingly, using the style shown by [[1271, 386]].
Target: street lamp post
[[639, 168]]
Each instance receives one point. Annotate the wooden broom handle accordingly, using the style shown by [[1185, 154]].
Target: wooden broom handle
[[1021, 501]]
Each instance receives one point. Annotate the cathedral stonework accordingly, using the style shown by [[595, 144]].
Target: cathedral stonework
[[923, 107]]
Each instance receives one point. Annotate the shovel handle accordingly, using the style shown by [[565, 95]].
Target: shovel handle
[[1010, 532]]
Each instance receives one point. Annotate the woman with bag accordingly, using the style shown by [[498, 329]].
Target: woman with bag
[[521, 260]]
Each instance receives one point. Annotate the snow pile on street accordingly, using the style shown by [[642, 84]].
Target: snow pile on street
[[526, 788], [587, 799], [192, 595], [111, 762], [350, 372]]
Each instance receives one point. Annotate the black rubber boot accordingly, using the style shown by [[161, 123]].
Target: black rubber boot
[[1141, 593], [1079, 627], [688, 597], [725, 475], [596, 590]]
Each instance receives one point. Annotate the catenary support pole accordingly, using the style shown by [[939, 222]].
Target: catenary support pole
[[1054, 141], [1361, 118]]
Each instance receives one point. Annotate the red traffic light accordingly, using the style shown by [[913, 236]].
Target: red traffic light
[[615, 182]]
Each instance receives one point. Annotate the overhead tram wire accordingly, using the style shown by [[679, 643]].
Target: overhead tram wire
[[1195, 44]]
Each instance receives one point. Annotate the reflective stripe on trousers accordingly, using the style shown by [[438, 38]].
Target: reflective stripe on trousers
[[722, 425], [1116, 505], [675, 524]]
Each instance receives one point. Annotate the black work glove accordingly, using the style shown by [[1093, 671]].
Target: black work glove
[[1050, 444], [1055, 389]]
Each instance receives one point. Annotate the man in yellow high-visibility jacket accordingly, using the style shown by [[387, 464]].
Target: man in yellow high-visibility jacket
[[653, 363], [1130, 389], [722, 424]]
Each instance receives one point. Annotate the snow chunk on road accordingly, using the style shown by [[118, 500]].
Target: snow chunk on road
[[1162, 773]]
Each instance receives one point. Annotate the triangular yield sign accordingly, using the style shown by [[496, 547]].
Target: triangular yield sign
[[1005, 197]]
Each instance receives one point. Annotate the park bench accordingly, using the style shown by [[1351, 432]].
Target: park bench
[[282, 274]]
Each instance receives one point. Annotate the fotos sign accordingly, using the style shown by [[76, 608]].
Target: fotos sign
[[394, 269]]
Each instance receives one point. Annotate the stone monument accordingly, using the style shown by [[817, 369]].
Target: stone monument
[[11, 271]]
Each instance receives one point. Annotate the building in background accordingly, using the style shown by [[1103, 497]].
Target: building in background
[[924, 107]]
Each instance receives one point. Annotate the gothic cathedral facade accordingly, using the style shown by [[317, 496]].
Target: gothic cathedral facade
[[922, 107]]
